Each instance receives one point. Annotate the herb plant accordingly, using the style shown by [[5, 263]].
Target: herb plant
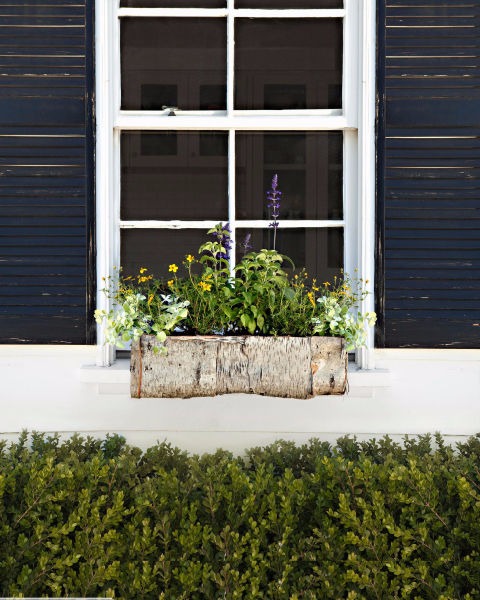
[[256, 297]]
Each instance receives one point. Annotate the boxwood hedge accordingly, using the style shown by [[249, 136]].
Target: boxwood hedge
[[375, 519]]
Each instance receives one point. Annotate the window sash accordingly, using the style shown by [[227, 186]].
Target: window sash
[[349, 15]]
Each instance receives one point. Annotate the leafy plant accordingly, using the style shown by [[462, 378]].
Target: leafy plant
[[256, 296], [259, 287], [336, 316], [363, 520], [138, 309]]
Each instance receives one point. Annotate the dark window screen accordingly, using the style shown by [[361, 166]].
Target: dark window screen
[[174, 3], [173, 62], [288, 3], [155, 249], [174, 175], [288, 63], [319, 251], [309, 168]]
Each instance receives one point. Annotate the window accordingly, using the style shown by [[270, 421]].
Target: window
[[203, 102]]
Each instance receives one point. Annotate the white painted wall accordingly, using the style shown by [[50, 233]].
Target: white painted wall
[[45, 388]]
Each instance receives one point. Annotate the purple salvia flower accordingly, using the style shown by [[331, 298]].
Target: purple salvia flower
[[273, 202], [246, 245], [222, 235]]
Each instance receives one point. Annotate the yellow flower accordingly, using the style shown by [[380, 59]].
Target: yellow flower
[[190, 258], [173, 268], [315, 288], [206, 287], [144, 278], [143, 270], [150, 299], [326, 283], [170, 282], [311, 297]]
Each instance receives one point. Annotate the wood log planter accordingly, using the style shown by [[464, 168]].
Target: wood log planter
[[288, 367]]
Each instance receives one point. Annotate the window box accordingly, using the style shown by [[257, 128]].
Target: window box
[[288, 367]]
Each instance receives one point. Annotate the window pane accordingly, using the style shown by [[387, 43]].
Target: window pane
[[288, 63], [320, 251], [174, 175], [155, 249], [173, 62], [288, 3], [174, 3], [309, 168]]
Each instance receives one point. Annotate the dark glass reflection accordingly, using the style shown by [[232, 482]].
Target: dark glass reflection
[[319, 251], [309, 168], [155, 249], [173, 62], [174, 3], [174, 175], [288, 3], [288, 63]]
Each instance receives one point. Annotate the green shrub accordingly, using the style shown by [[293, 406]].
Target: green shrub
[[373, 519]]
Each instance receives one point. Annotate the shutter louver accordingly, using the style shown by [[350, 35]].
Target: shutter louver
[[46, 171], [429, 143]]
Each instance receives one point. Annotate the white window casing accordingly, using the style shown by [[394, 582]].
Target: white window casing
[[356, 120]]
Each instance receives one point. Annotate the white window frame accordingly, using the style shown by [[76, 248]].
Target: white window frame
[[356, 119]]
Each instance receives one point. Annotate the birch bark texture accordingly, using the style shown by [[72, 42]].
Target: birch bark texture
[[286, 367]]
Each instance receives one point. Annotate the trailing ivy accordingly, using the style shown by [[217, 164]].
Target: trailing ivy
[[363, 520]]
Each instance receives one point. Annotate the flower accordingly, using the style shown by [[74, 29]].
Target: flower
[[246, 243], [258, 296], [206, 287], [273, 203], [222, 234]]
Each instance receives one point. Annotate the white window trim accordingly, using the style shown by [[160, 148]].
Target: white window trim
[[356, 119]]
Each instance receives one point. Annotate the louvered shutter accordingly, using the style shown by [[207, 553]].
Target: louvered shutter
[[428, 173], [46, 172]]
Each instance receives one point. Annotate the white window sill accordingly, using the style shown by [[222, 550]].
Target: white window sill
[[368, 377], [119, 373]]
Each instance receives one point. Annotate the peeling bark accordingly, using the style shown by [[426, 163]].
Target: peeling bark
[[288, 367]]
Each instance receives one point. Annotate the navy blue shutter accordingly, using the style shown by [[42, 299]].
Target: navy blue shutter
[[46, 171], [428, 173]]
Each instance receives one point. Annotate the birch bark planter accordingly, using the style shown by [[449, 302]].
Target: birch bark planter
[[288, 367]]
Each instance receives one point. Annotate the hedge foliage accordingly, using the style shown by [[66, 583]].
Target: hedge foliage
[[372, 519]]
